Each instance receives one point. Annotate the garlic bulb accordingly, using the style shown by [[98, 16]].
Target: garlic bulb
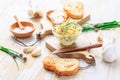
[[110, 53]]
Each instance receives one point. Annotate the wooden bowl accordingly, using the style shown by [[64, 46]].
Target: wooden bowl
[[22, 34]]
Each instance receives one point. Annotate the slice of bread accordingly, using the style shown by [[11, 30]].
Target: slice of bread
[[61, 66], [74, 10], [67, 67], [56, 16], [49, 62]]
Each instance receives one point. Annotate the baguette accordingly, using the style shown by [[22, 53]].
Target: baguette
[[61, 66], [74, 10]]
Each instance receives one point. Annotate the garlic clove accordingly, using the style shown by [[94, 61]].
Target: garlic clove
[[30, 12], [34, 13], [28, 50], [36, 53]]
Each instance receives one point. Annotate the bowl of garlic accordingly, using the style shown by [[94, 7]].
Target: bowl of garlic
[[67, 32]]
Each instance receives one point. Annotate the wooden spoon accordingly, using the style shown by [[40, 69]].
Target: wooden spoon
[[20, 25]]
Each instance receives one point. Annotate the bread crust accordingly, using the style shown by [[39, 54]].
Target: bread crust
[[74, 10], [49, 63]]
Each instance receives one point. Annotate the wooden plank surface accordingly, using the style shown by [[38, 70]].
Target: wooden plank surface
[[100, 10]]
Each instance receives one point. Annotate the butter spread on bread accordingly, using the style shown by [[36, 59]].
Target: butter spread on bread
[[67, 66], [56, 16]]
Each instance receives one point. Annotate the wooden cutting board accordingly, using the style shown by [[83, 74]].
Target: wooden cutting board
[[47, 30], [53, 44]]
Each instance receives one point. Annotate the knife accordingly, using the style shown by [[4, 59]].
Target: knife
[[72, 49]]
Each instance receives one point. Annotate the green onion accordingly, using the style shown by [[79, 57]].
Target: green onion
[[13, 54], [101, 26]]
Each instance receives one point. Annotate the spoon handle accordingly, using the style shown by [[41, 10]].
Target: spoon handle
[[20, 25]]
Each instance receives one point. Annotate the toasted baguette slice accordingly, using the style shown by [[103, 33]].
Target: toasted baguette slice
[[49, 62], [74, 10], [61, 66], [56, 16], [67, 67]]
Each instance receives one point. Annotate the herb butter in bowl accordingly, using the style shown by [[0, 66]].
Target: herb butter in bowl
[[67, 32]]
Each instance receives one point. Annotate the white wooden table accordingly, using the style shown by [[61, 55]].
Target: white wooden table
[[100, 10]]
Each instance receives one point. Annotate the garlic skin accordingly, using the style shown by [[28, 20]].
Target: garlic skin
[[110, 53]]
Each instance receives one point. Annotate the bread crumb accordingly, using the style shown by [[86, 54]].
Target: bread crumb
[[99, 38]]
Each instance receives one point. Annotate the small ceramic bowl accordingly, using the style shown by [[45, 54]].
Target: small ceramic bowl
[[29, 28]]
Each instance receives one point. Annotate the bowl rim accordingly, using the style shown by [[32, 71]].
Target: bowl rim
[[66, 34]]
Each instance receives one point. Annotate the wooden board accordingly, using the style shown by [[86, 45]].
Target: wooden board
[[47, 30], [53, 44]]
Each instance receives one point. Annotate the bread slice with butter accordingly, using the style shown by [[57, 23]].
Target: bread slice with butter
[[74, 10], [67, 66], [56, 16], [61, 66]]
